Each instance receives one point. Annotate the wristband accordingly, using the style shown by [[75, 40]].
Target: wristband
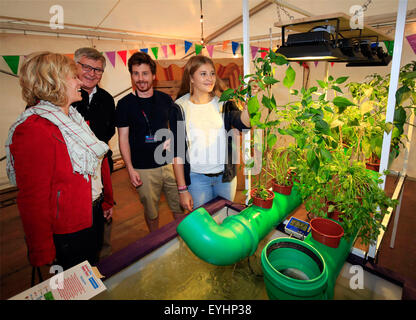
[[182, 188]]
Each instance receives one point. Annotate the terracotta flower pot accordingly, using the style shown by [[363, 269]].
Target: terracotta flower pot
[[286, 190], [327, 232], [334, 214], [265, 204], [373, 163]]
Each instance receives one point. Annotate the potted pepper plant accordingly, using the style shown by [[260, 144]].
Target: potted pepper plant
[[261, 113]]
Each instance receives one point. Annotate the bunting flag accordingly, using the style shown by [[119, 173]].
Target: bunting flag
[[412, 41], [145, 50], [264, 53], [242, 49], [133, 51], [198, 48], [123, 55], [155, 50], [111, 55], [12, 62], [187, 45], [389, 47], [332, 64], [234, 46], [173, 48], [254, 51], [70, 55], [225, 44], [316, 63], [210, 50], [165, 51]]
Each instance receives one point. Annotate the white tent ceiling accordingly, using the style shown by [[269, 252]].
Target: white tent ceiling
[[180, 19]]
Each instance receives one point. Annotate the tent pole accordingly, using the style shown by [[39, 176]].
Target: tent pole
[[246, 59], [391, 102]]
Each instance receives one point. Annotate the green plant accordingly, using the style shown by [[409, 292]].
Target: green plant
[[330, 177], [371, 98], [281, 160], [261, 111]]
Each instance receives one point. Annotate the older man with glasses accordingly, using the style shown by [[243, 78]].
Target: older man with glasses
[[98, 109]]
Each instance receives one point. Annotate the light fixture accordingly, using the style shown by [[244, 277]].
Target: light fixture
[[375, 55], [310, 46]]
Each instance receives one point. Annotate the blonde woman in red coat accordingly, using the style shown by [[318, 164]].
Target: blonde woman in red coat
[[51, 156]]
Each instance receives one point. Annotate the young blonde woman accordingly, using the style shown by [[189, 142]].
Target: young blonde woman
[[203, 146]]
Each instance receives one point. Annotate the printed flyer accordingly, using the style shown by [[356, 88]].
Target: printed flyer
[[81, 282]]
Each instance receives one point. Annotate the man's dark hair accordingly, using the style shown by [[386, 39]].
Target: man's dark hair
[[139, 58]]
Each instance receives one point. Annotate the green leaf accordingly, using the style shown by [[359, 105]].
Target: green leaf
[[227, 95], [253, 105], [322, 84], [279, 60], [290, 77], [342, 103], [322, 126], [271, 140], [336, 88], [326, 155], [341, 80], [267, 102], [270, 80]]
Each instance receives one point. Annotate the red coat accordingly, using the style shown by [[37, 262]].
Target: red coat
[[51, 199]]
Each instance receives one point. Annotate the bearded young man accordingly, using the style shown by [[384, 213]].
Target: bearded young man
[[139, 116]]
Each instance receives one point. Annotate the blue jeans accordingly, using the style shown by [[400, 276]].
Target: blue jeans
[[204, 189]]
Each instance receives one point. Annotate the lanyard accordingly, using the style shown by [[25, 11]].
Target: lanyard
[[146, 119]]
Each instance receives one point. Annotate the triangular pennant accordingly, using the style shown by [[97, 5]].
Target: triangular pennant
[[234, 46], [254, 51], [264, 53], [187, 45], [133, 51], [112, 57], [332, 64], [155, 51], [198, 48], [165, 51], [242, 49], [145, 50], [389, 47], [12, 62], [316, 63], [123, 55], [69, 55], [225, 44], [173, 48], [210, 50], [412, 41]]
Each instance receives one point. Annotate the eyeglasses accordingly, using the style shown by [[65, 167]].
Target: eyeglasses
[[88, 68]]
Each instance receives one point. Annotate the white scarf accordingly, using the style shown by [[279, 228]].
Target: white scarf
[[84, 149]]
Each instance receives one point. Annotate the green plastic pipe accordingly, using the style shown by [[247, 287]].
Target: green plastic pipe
[[278, 257], [293, 270], [334, 258], [239, 235]]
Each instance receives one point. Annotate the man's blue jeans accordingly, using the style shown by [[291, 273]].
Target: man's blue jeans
[[204, 188]]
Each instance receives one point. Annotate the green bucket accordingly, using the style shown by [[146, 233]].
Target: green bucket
[[293, 270]]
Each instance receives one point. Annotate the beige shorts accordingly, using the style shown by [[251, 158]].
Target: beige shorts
[[155, 181]]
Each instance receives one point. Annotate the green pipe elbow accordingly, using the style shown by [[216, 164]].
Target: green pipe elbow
[[238, 236]]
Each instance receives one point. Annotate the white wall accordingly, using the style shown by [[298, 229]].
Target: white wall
[[117, 79]]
